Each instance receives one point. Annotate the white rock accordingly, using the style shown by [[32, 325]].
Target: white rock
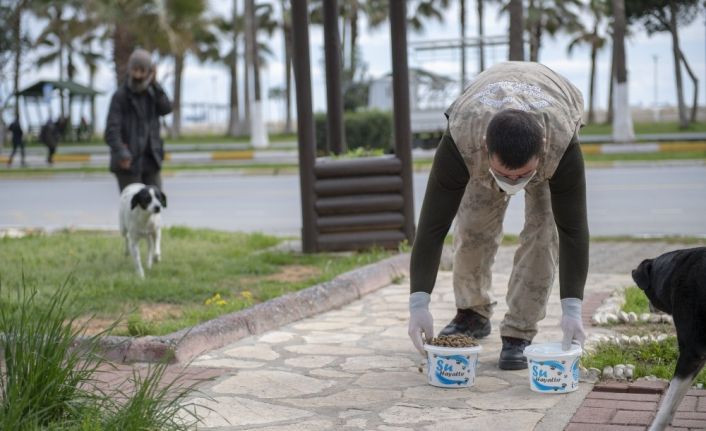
[[644, 339], [632, 317], [611, 318], [635, 339], [619, 371], [608, 372], [662, 337], [598, 319], [629, 373], [645, 317], [655, 318], [624, 340], [666, 318], [623, 316]]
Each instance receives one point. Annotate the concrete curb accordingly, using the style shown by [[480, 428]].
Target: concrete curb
[[186, 344], [290, 156]]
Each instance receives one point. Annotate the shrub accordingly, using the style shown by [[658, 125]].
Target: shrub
[[370, 130]]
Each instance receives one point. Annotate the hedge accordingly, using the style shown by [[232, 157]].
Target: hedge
[[365, 129]]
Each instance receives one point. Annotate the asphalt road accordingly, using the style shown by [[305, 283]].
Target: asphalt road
[[634, 200]]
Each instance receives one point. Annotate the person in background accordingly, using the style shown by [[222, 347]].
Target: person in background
[[133, 129], [48, 136], [17, 142]]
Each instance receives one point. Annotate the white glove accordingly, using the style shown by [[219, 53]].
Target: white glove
[[571, 323], [420, 320]]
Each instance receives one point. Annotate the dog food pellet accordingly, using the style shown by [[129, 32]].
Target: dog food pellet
[[456, 340]]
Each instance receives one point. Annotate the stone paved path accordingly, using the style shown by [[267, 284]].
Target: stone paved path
[[355, 368]]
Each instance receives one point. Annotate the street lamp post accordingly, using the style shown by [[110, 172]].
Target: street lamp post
[[655, 107]]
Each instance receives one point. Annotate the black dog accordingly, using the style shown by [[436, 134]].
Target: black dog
[[675, 283]]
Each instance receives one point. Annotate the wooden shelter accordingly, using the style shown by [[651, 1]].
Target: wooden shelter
[[356, 203]]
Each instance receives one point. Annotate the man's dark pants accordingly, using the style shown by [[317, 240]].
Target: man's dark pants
[[148, 175]]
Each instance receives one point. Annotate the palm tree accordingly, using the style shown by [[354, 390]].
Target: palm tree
[[55, 36], [184, 30], [128, 24], [16, 40], [550, 16], [596, 41]]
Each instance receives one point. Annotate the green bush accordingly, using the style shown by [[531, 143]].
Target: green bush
[[370, 130]]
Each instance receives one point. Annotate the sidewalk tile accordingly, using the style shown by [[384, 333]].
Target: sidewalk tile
[[592, 427], [593, 415], [624, 405], [631, 417], [624, 396]]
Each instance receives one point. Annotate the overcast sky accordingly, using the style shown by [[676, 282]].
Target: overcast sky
[[210, 83]]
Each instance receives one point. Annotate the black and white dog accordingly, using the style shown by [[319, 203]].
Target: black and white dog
[[140, 208], [675, 283]]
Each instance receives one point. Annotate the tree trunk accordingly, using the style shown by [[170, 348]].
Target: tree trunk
[[592, 79], [61, 77], [694, 105], [17, 42], [622, 120], [288, 78], [258, 132], [354, 38], [609, 113], [175, 130], [462, 81], [532, 23], [536, 41], [517, 49], [123, 43], [683, 120], [92, 82], [481, 50], [234, 113], [247, 35]]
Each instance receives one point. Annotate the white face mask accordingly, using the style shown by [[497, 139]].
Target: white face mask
[[509, 186]]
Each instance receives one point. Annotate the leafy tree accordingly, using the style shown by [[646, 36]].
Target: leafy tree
[[660, 16]]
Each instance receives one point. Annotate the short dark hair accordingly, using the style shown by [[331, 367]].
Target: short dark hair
[[515, 136]]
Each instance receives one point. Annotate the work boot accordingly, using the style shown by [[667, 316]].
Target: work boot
[[468, 323], [511, 356]]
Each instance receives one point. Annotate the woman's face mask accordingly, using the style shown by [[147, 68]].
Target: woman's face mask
[[511, 186]]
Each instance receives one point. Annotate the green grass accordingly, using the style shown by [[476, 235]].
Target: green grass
[[197, 265], [636, 301], [644, 128], [655, 358], [646, 157]]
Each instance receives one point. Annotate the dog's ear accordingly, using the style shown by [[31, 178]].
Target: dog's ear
[[642, 274], [135, 201], [141, 198], [162, 198]]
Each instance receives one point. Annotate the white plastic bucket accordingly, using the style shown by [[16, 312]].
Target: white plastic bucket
[[451, 367], [551, 369]]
